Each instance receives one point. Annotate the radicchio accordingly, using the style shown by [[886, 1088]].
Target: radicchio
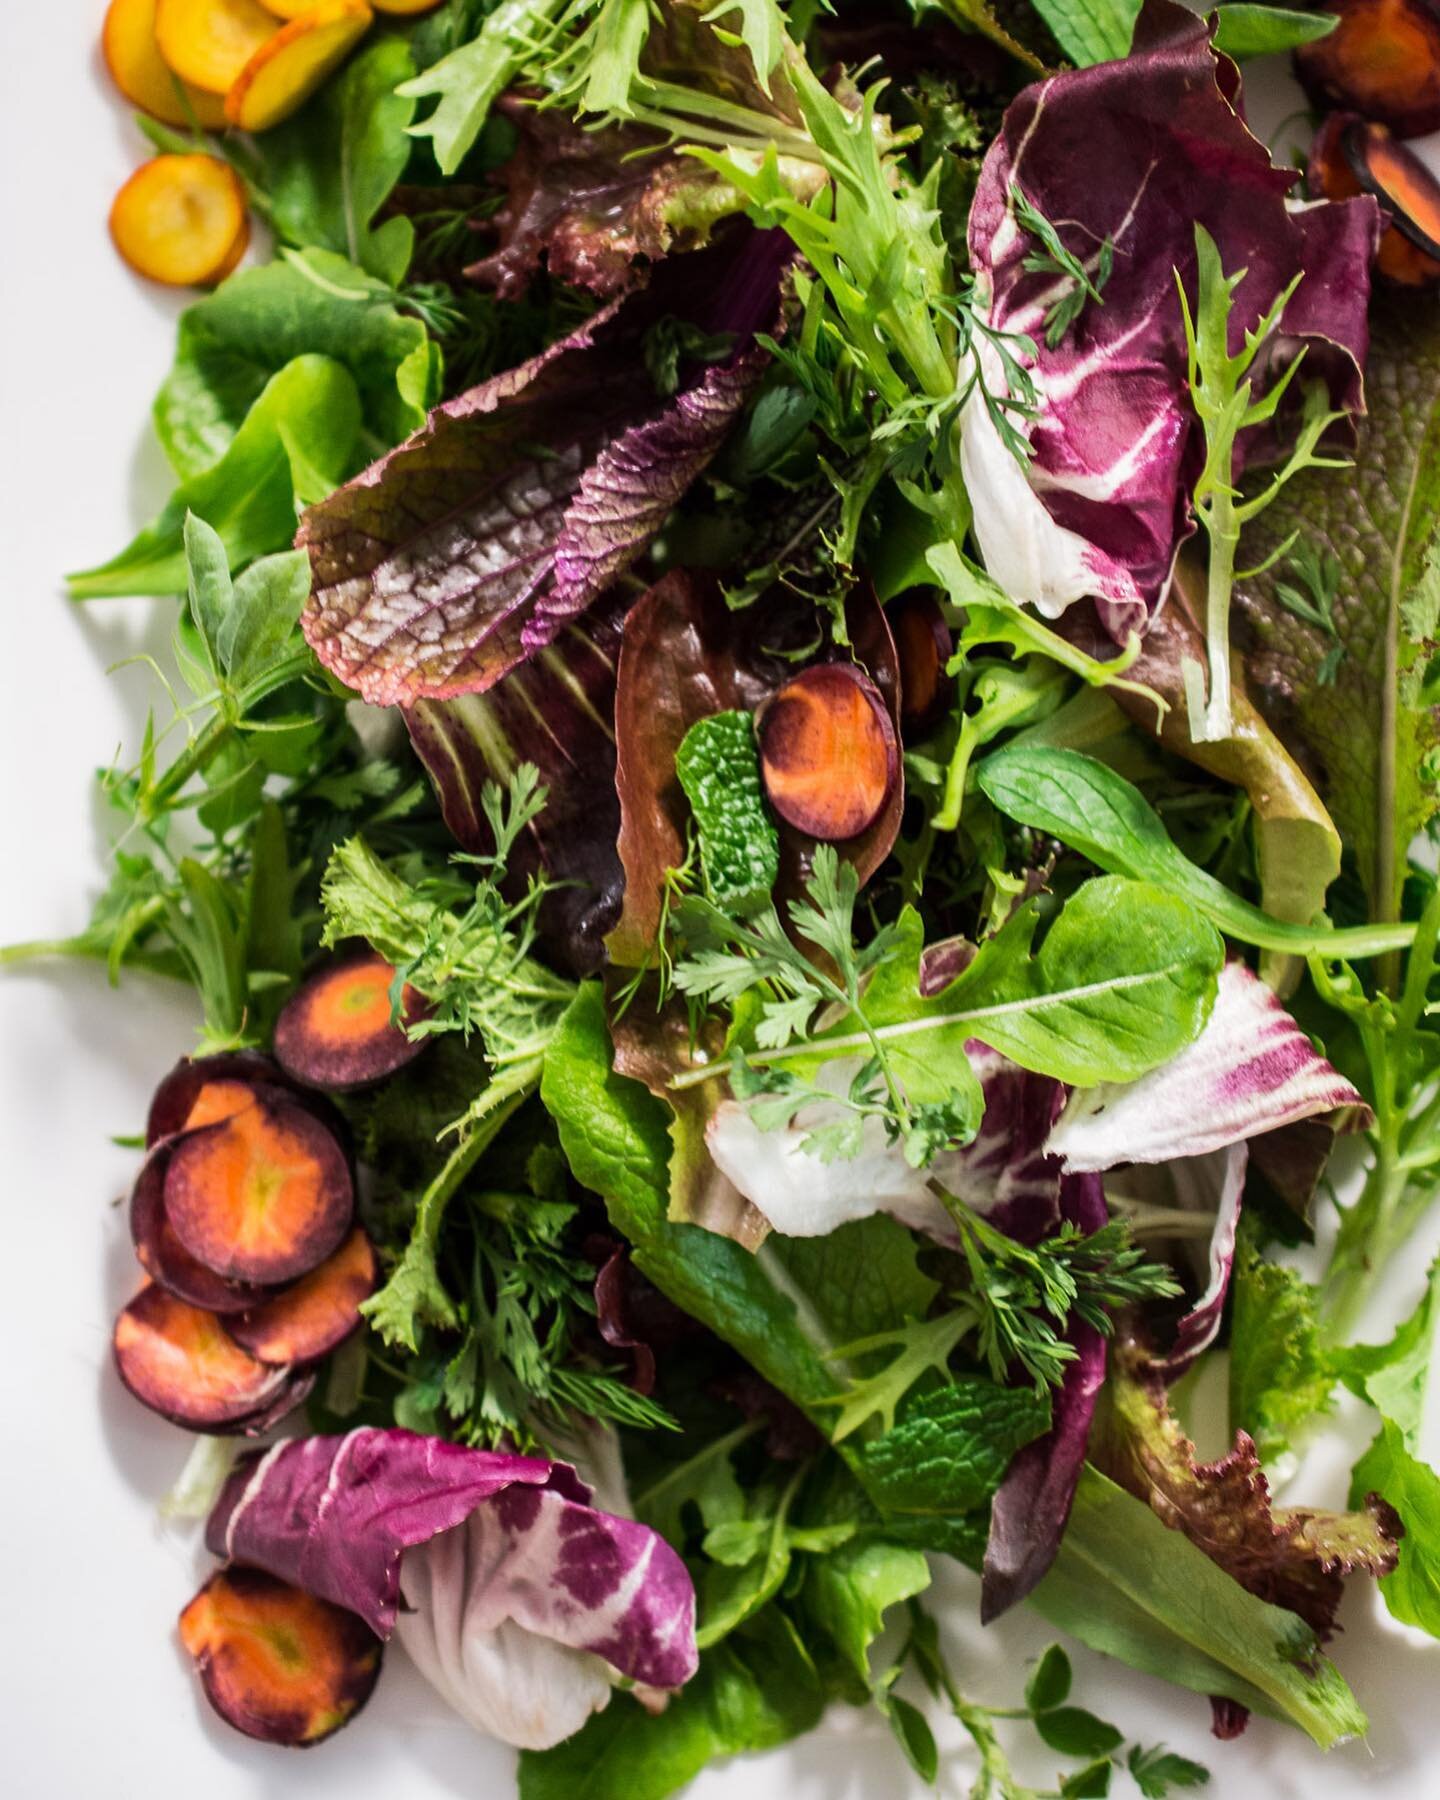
[[467, 550], [523, 1603], [1136, 153]]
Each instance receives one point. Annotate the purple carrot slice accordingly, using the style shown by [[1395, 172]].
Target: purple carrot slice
[[166, 1260], [264, 1195], [315, 1316], [178, 1360], [828, 751], [924, 646], [337, 1032], [1382, 60], [275, 1662]]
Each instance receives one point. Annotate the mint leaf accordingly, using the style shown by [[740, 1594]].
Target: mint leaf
[[950, 1448], [1381, 524]]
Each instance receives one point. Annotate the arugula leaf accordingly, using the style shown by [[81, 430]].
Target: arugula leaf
[[756, 1690], [232, 343], [1129, 1586], [1091, 31], [298, 441], [328, 170], [1096, 811], [467, 82], [1280, 1375], [1381, 524], [1393, 1377], [1244, 31]]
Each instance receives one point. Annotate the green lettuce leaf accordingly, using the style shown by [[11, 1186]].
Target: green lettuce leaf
[[1380, 523], [232, 343], [1280, 1375], [849, 1592], [1412, 1487], [1129, 1586]]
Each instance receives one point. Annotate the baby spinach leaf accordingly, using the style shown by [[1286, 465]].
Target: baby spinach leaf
[[316, 303], [297, 442], [849, 1592], [328, 170], [1244, 31], [1096, 811]]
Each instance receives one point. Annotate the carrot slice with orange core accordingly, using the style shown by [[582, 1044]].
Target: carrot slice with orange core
[[142, 75], [924, 647], [315, 1316], [286, 70], [828, 752], [179, 1361], [263, 1196], [1351, 156], [275, 1662], [337, 1032], [209, 42], [1382, 59], [181, 220], [166, 1260]]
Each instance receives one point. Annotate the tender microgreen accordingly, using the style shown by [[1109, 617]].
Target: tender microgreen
[[1080, 284]]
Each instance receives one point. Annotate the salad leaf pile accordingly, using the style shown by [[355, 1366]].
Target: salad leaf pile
[[797, 782]]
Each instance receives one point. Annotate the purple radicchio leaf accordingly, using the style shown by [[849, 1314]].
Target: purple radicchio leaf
[[467, 549], [1251, 1070], [1211, 1185], [556, 711], [1138, 152], [337, 1516], [1032, 1505]]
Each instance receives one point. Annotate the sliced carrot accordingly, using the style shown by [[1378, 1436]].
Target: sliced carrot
[[263, 1196], [286, 70], [144, 77], [924, 647], [1382, 59], [336, 1032], [828, 752], [179, 1361], [1408, 192], [181, 220], [287, 9], [209, 42], [404, 8], [315, 1316], [166, 1260], [275, 1662]]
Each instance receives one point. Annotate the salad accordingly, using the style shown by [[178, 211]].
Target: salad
[[796, 783]]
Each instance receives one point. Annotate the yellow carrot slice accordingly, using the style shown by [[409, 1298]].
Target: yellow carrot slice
[[286, 70], [404, 8], [181, 220], [288, 9], [144, 77], [209, 42]]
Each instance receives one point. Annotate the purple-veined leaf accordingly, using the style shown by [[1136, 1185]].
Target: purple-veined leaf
[[1251, 1070], [1135, 154], [467, 549]]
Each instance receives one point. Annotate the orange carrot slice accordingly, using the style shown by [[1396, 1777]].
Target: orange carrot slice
[[209, 42], [166, 1260], [181, 220], [144, 77], [404, 8], [286, 69], [275, 1662], [336, 1031], [1408, 192], [1382, 59], [179, 1361], [315, 1316], [924, 647], [262, 1196], [828, 752]]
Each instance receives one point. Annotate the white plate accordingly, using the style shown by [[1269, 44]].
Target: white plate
[[96, 1700]]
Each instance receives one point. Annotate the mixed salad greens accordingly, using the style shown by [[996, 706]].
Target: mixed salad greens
[[795, 785]]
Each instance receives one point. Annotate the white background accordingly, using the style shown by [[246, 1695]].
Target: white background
[[96, 1700]]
